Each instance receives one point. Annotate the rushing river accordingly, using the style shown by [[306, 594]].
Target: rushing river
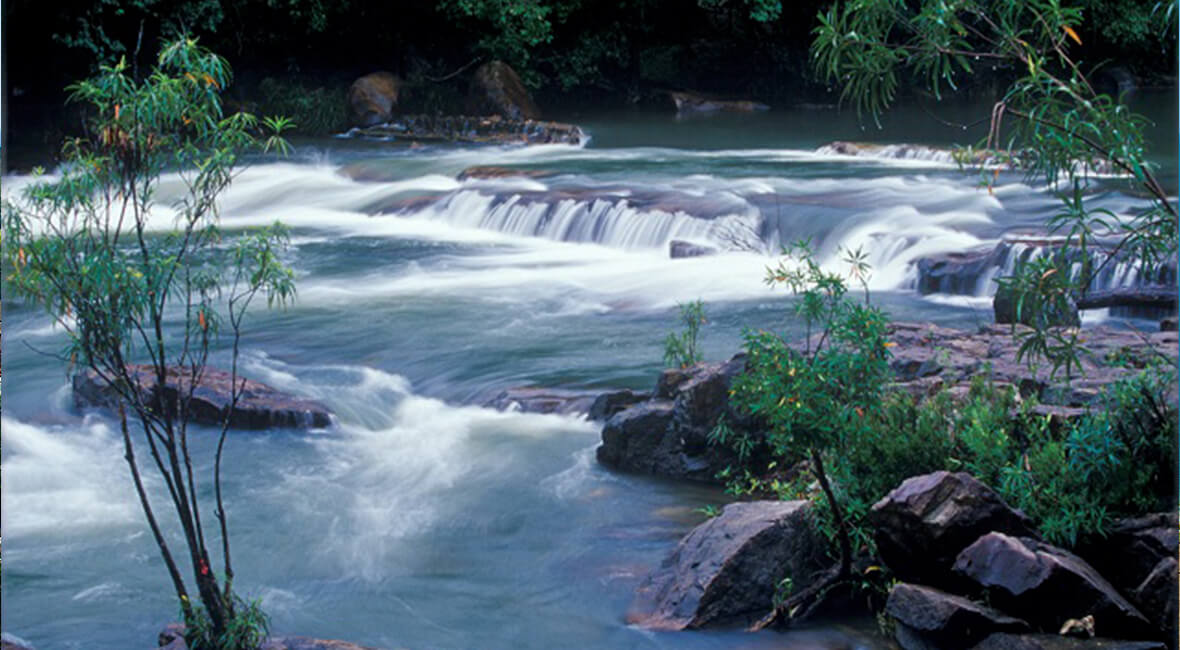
[[422, 519]]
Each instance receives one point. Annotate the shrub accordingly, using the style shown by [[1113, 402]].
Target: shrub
[[313, 111], [680, 350]]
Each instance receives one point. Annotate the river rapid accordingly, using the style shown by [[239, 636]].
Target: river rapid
[[422, 519]]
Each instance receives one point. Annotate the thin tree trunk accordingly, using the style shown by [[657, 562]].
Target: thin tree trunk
[[837, 514]]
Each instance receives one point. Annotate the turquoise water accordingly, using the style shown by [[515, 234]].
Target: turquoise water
[[421, 519]]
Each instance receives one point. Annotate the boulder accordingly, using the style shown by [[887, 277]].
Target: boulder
[[259, 406], [497, 90], [1131, 548], [1047, 586], [669, 434], [927, 617], [606, 405], [922, 525], [678, 249], [417, 129], [1168, 324], [373, 98], [12, 642], [531, 399], [172, 638], [1008, 641], [727, 569], [1156, 597]]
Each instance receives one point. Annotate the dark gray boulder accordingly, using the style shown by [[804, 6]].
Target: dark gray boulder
[[496, 89], [637, 439], [1047, 586], [928, 617], [373, 98], [1156, 597], [532, 399], [1008, 641], [607, 405], [727, 569], [1131, 548], [922, 525], [259, 406]]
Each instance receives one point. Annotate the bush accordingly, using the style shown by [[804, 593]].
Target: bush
[[680, 350], [314, 111]]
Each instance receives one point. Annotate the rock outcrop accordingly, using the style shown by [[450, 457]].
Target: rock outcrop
[[496, 89], [1008, 641], [417, 129], [694, 102], [259, 406], [727, 569], [678, 249], [373, 98], [531, 399], [923, 525]]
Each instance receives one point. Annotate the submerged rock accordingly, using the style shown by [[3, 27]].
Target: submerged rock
[[496, 89], [373, 98], [678, 249], [492, 171], [528, 399], [1048, 585], [464, 128], [259, 406], [922, 525], [607, 405], [727, 569]]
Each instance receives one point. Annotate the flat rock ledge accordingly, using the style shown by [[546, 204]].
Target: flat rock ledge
[[472, 129], [259, 406]]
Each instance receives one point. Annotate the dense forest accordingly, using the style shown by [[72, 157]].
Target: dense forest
[[571, 53]]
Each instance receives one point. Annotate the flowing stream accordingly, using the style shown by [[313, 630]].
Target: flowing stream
[[422, 519]]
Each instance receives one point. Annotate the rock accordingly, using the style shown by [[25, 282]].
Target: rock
[[373, 98], [678, 249], [1006, 641], [1156, 597], [1004, 310], [927, 617], [1132, 548], [668, 435], [13, 642], [172, 638], [1048, 585], [493, 129], [922, 525], [529, 399], [497, 90], [1168, 324], [1148, 296], [259, 407], [693, 102], [492, 171], [726, 570], [606, 405], [957, 273]]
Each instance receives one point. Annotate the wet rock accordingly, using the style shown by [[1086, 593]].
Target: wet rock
[[1047, 585], [529, 399], [172, 638], [1168, 324], [957, 273], [492, 171], [258, 407], [1149, 297], [678, 249], [494, 129], [1007, 641], [726, 570], [373, 98], [13, 642], [922, 525], [637, 439], [928, 617], [606, 405], [496, 89], [693, 102]]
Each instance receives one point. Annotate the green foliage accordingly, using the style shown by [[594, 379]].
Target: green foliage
[[83, 247], [511, 29], [247, 630], [680, 350], [1051, 118], [314, 111], [819, 400]]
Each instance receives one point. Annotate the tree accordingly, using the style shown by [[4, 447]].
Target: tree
[[1051, 121], [82, 246], [819, 400]]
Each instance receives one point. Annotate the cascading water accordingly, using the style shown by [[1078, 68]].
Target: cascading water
[[423, 519]]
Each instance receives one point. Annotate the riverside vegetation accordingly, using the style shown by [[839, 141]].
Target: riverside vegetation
[[81, 246]]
